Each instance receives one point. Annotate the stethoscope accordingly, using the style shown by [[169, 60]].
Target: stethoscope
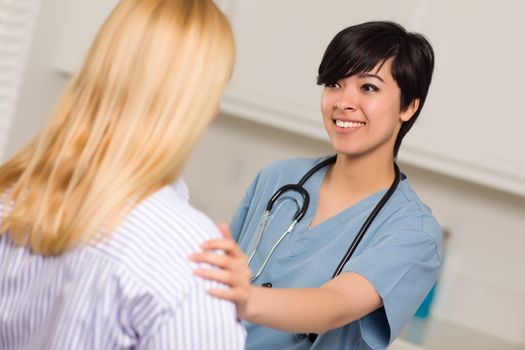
[[299, 214], [302, 209]]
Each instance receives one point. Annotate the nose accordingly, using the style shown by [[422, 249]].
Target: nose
[[347, 99]]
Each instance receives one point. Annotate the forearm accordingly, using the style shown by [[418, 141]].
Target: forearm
[[342, 300], [306, 310]]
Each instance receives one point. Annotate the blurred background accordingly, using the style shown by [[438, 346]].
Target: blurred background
[[465, 156]]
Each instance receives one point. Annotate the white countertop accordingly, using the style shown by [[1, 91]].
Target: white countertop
[[400, 344], [431, 334]]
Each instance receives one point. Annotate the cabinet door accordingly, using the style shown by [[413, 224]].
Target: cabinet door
[[474, 121]]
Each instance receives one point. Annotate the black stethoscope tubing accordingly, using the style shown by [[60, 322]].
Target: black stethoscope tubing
[[368, 222], [301, 211], [299, 188]]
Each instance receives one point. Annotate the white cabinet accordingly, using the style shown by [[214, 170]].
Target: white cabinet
[[473, 126], [473, 122]]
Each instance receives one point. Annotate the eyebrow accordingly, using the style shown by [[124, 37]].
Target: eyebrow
[[369, 75]]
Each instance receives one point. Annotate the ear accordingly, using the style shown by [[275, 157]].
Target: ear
[[408, 113]]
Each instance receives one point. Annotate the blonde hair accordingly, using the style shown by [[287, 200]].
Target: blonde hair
[[149, 86]]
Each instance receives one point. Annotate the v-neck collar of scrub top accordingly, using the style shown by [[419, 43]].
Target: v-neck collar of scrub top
[[313, 186]]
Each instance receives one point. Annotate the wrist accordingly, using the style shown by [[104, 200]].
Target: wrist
[[249, 310]]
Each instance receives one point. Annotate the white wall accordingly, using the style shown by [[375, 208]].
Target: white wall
[[41, 84], [482, 286]]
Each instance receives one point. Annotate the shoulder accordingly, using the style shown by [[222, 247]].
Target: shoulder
[[153, 242], [148, 254], [167, 217], [409, 213]]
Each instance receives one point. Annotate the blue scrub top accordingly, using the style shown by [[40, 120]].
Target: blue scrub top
[[400, 254]]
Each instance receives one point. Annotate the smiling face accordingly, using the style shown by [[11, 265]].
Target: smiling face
[[362, 113]]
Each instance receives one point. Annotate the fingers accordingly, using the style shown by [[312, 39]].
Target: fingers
[[229, 246], [227, 294], [229, 266], [222, 276], [230, 278], [219, 260], [225, 230], [221, 243], [231, 272]]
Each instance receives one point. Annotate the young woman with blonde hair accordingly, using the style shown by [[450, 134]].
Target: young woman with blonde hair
[[95, 229]]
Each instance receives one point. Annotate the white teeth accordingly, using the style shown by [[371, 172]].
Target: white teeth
[[345, 124]]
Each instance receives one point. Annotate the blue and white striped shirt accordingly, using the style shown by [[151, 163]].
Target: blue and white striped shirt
[[134, 290]]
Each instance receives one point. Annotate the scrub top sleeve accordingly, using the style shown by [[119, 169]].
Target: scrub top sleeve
[[402, 266], [238, 221]]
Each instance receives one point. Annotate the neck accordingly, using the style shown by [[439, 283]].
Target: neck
[[366, 174]]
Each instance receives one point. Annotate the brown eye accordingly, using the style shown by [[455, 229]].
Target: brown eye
[[332, 85], [369, 88]]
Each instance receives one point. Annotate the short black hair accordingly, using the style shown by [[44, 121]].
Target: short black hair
[[359, 48]]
